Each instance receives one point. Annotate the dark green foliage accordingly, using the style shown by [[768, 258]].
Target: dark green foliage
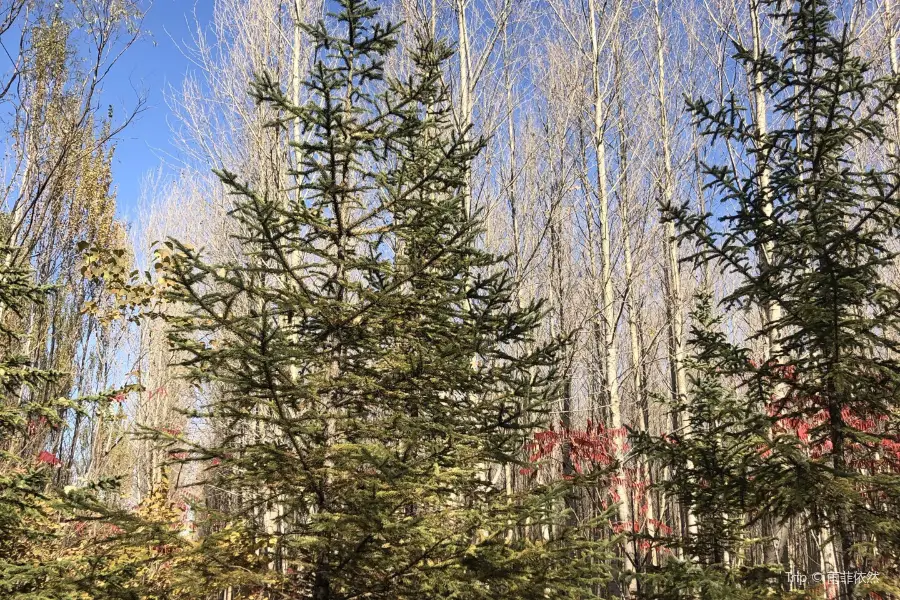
[[17, 294], [370, 357], [688, 580], [25, 512], [713, 465], [830, 389], [710, 459]]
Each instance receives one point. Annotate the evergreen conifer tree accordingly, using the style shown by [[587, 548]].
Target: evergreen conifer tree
[[831, 388], [36, 559], [711, 464], [25, 521], [370, 356]]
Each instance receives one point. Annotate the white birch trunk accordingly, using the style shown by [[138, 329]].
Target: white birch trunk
[[675, 300], [607, 305]]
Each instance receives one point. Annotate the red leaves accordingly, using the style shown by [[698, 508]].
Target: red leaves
[[592, 447], [34, 425], [809, 420], [891, 447], [596, 448], [763, 451], [48, 458], [630, 526], [163, 549], [669, 439], [660, 526], [543, 444]]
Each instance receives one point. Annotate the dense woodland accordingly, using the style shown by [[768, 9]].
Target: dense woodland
[[465, 299]]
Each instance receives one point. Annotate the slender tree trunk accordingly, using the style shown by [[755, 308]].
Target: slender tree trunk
[[775, 549], [513, 204], [466, 104], [274, 515], [675, 300], [637, 354], [606, 288], [891, 30], [559, 325], [767, 248]]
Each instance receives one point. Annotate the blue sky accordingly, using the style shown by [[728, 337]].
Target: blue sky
[[155, 63]]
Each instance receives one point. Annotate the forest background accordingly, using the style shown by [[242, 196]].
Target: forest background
[[596, 155]]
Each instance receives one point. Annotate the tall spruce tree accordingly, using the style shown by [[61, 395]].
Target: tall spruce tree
[[825, 223], [711, 464], [25, 516], [374, 365]]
